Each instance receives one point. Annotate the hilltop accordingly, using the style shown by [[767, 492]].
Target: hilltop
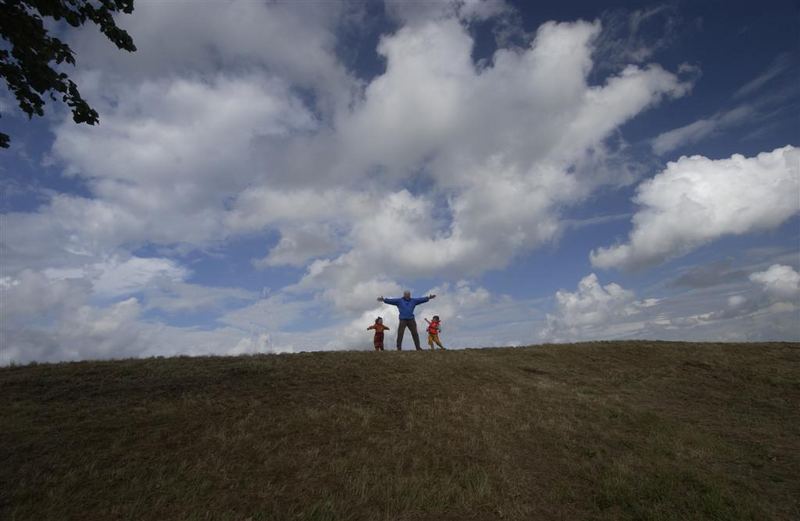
[[606, 431]]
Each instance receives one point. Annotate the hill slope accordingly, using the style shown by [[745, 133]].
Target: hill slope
[[613, 430]]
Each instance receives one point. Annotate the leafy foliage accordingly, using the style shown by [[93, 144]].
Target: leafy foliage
[[29, 50]]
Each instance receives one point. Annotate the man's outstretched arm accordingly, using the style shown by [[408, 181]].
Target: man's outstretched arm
[[392, 301]]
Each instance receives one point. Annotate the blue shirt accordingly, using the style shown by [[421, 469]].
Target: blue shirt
[[406, 306]]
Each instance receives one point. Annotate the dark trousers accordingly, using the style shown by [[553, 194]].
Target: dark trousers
[[411, 324]]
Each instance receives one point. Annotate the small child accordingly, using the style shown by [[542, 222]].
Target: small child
[[434, 327], [379, 329]]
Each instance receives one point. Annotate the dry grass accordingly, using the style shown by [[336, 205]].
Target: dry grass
[[606, 431]]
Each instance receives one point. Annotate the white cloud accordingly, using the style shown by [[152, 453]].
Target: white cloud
[[270, 314], [781, 282], [175, 296], [696, 200], [292, 40], [362, 294], [482, 9], [254, 344], [736, 311], [54, 319], [161, 281], [411, 13], [197, 160], [241, 120], [594, 311], [500, 179], [701, 129], [191, 128], [736, 301], [162, 167], [118, 331], [114, 277], [170, 153], [45, 319], [766, 310], [259, 207], [31, 296], [87, 312], [300, 244]]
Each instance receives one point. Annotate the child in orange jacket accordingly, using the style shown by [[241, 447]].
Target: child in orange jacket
[[434, 327], [379, 329]]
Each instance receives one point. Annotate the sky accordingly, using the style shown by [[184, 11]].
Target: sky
[[263, 171]]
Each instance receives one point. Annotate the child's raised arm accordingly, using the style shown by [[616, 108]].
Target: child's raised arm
[[370, 327]]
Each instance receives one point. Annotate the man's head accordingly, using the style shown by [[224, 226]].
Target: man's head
[[406, 294]]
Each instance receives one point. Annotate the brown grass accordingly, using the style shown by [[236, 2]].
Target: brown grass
[[606, 431]]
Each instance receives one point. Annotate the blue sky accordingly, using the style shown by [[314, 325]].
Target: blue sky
[[263, 171]]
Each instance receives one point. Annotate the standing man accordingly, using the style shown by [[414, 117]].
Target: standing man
[[406, 307]]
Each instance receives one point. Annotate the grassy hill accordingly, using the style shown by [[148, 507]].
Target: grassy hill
[[607, 431]]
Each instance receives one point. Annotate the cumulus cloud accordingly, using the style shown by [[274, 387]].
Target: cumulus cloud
[[169, 156], [761, 308], [114, 277], [765, 310], [197, 160], [291, 40], [32, 295], [410, 13], [696, 200], [161, 281], [45, 319], [120, 331], [258, 207], [594, 311], [780, 282], [55, 316], [87, 312], [242, 122], [299, 245], [499, 180], [172, 151]]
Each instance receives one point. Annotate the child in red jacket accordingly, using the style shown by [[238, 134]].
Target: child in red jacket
[[379, 329], [434, 327]]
